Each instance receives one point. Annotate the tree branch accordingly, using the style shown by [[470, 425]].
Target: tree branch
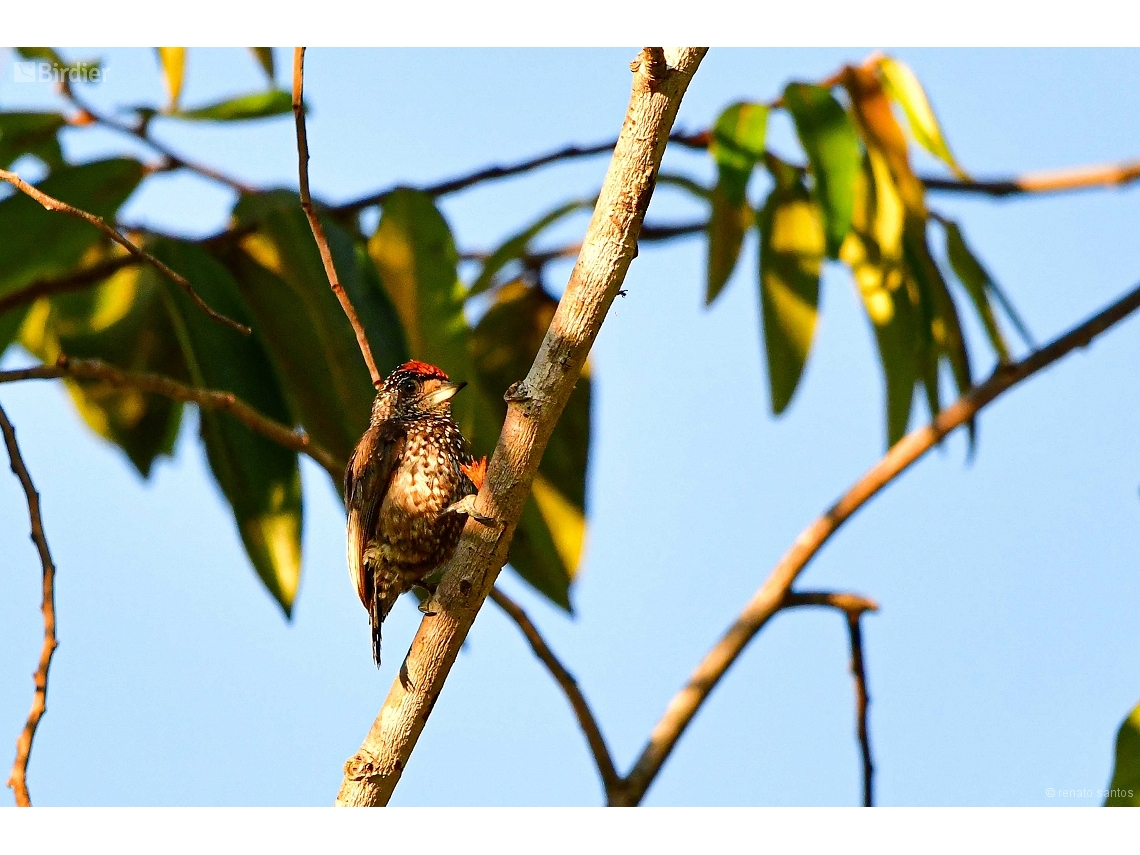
[[157, 384], [853, 608], [53, 204], [611, 781], [314, 220], [76, 280], [18, 780], [770, 597], [534, 406]]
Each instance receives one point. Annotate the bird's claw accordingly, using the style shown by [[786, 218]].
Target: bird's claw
[[466, 505]]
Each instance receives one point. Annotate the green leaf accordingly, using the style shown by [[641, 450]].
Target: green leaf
[[1124, 791], [264, 57], [306, 334], [122, 321], [173, 61], [38, 243], [257, 105], [905, 90], [10, 322], [792, 248], [739, 135], [44, 53], [729, 219], [980, 286], [516, 246], [548, 543], [415, 256], [31, 133], [260, 479], [832, 145]]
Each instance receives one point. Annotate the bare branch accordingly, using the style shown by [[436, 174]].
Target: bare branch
[[76, 280], [853, 607], [314, 220], [610, 779], [18, 780], [772, 595], [53, 204], [157, 384], [534, 406], [1053, 181], [141, 132]]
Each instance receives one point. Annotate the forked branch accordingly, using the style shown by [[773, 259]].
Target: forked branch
[[772, 594], [53, 204], [18, 780]]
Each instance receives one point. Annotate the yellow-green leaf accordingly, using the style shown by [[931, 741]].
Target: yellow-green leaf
[[905, 90], [264, 57], [832, 148], [258, 105], [729, 219], [792, 249], [173, 60], [1124, 791], [739, 136]]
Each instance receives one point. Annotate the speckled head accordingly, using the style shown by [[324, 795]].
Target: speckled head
[[414, 390]]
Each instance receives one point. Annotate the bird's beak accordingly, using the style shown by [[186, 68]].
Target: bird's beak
[[445, 392]]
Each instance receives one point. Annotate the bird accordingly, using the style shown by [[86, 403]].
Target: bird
[[408, 489]]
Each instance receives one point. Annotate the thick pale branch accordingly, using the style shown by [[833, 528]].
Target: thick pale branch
[[315, 221], [602, 758], [18, 780], [53, 204], [534, 405], [772, 595], [157, 384]]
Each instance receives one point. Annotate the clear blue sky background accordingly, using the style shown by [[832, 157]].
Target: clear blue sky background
[[1006, 652]]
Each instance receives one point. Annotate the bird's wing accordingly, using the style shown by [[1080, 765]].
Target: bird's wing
[[366, 480]]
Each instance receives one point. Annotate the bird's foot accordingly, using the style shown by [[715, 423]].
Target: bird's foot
[[427, 604], [466, 505]]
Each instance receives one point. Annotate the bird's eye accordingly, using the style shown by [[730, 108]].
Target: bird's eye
[[408, 386]]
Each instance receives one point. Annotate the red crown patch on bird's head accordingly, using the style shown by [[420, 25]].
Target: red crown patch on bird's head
[[422, 369]]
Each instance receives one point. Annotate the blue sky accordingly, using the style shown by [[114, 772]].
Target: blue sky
[[1005, 654]]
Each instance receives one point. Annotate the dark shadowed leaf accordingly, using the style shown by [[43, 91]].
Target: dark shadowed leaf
[[980, 287], [264, 57], [415, 256], [517, 245], [10, 323], [37, 243], [173, 61], [548, 544], [30, 133], [1124, 791], [792, 249], [832, 146], [122, 321], [257, 105], [306, 334], [905, 90], [260, 479]]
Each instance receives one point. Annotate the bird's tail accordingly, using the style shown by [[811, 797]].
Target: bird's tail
[[376, 617]]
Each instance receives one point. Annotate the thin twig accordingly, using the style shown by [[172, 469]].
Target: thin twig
[[770, 596], [76, 280], [157, 384], [610, 779], [141, 131], [1053, 181], [53, 204], [853, 607], [314, 220], [18, 780]]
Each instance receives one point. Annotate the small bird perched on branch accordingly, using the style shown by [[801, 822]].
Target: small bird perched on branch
[[409, 488]]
